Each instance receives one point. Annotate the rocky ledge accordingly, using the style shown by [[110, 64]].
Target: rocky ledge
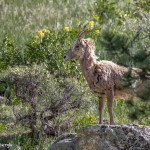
[[105, 137]]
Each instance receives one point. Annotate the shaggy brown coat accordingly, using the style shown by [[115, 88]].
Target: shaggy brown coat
[[103, 77]]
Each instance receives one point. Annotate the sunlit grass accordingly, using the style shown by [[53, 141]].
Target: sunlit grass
[[121, 112], [81, 118], [19, 19], [19, 135]]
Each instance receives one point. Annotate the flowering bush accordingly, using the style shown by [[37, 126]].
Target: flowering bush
[[48, 46]]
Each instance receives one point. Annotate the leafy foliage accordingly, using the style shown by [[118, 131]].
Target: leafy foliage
[[50, 49], [10, 55], [129, 43], [43, 98]]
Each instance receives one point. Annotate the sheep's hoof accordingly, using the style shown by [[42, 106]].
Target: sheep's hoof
[[112, 123]]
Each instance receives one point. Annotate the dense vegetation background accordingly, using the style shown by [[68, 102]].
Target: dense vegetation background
[[41, 96]]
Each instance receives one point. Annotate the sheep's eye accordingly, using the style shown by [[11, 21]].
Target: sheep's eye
[[77, 46]]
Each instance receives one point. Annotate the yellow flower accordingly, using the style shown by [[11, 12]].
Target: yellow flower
[[36, 37], [41, 33], [93, 116], [88, 116], [77, 20], [96, 31], [67, 28], [96, 17], [46, 31], [94, 122], [69, 71], [91, 24]]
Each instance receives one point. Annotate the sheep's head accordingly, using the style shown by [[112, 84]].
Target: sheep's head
[[78, 49]]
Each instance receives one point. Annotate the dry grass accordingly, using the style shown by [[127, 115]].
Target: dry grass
[[19, 19]]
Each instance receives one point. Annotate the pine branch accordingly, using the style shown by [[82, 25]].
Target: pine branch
[[135, 37], [123, 63]]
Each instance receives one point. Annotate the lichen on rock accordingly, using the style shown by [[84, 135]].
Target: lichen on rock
[[105, 137]]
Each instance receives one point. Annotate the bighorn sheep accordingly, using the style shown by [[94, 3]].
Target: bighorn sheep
[[103, 77]]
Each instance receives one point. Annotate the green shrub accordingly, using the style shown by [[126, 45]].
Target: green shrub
[[41, 101], [49, 46], [10, 55]]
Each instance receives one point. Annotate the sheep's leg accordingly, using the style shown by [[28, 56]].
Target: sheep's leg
[[110, 96], [101, 109]]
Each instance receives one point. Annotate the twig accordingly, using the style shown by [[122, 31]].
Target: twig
[[135, 37]]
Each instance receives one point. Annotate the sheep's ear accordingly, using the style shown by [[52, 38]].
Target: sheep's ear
[[82, 33], [83, 43]]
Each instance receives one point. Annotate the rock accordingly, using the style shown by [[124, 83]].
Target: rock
[[105, 137]]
